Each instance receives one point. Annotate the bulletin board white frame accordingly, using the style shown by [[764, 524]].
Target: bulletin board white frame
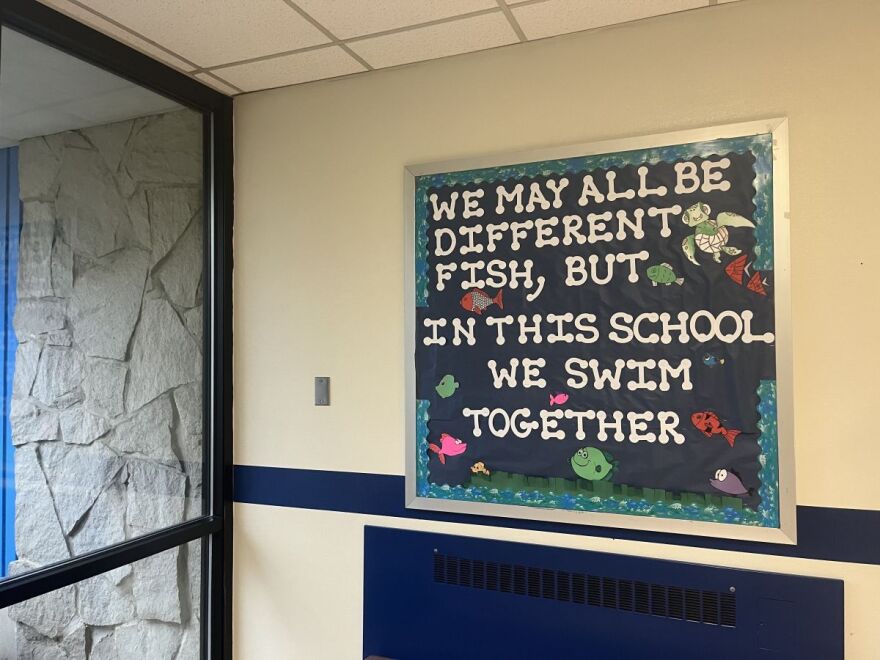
[[786, 533]]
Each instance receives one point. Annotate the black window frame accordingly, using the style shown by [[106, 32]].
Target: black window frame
[[214, 527]]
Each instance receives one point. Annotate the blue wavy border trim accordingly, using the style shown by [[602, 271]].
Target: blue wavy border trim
[[768, 441], [423, 485], [762, 148]]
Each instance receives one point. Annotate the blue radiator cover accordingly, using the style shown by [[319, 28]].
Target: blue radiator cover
[[437, 596]]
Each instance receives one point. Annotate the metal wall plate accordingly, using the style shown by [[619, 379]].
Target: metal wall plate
[[322, 390]]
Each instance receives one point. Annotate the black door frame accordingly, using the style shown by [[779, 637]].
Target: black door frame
[[214, 527]]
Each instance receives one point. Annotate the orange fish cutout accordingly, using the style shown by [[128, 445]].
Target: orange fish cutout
[[480, 468]]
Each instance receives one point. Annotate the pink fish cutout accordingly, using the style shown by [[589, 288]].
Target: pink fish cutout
[[449, 446], [558, 399]]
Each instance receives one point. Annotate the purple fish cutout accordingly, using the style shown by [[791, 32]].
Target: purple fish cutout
[[727, 482]]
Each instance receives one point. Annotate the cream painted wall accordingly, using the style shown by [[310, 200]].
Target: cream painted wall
[[319, 259]]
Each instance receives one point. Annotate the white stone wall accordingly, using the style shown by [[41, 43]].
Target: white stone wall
[[106, 405]]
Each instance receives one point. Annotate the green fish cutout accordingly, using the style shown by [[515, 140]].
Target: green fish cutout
[[663, 274], [593, 464], [447, 386]]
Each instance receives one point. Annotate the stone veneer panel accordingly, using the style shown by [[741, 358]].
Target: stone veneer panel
[[106, 407]]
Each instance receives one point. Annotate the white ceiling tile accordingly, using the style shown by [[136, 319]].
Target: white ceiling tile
[[215, 82], [546, 19], [353, 18], [214, 32], [111, 29], [461, 36], [239, 41], [315, 64]]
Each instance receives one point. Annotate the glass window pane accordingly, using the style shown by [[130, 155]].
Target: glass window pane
[[101, 237], [147, 610]]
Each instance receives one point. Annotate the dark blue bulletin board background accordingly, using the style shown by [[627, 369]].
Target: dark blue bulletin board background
[[733, 381]]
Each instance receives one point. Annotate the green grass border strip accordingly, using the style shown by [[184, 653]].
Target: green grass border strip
[[559, 486]]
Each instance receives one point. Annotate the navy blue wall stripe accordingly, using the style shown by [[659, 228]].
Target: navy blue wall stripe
[[848, 535]]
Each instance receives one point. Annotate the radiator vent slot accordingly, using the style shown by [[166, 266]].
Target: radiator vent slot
[[675, 603], [642, 599], [519, 580], [625, 595], [728, 610], [479, 575], [609, 592], [692, 608], [563, 586], [492, 576], [548, 584], [710, 607], [506, 580], [534, 583], [670, 602], [593, 590], [658, 600], [578, 588]]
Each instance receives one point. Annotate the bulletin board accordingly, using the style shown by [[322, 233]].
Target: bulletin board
[[600, 334]]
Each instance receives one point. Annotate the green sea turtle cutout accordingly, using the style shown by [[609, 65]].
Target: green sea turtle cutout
[[593, 464], [710, 235]]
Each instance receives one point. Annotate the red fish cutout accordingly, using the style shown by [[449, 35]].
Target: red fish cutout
[[757, 284], [736, 268], [710, 425], [477, 301]]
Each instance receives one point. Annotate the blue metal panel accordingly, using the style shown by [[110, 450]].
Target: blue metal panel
[[10, 228], [411, 613]]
